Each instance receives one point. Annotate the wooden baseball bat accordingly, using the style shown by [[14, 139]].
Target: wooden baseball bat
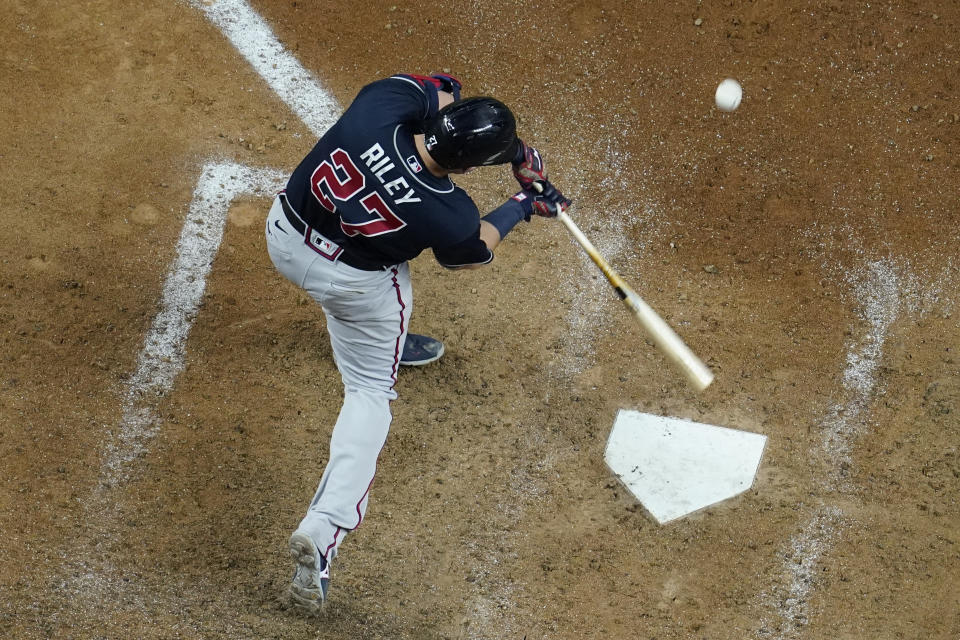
[[659, 331]]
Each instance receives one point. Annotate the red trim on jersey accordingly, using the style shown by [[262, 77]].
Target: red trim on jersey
[[397, 349], [437, 82]]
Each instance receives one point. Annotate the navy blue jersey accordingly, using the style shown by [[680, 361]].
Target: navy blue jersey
[[364, 186]]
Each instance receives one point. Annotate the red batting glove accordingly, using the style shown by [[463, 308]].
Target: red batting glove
[[528, 166]]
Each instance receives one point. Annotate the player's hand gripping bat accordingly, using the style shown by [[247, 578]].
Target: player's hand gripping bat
[[665, 339]]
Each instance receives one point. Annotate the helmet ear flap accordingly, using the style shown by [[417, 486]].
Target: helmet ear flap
[[471, 133]]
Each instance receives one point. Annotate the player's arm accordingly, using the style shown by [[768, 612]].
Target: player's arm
[[470, 253], [544, 201], [490, 235], [444, 98], [477, 250]]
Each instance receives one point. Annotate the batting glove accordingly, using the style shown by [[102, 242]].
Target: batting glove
[[543, 200], [528, 166]]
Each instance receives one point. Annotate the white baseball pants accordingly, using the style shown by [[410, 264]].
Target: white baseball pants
[[367, 315]]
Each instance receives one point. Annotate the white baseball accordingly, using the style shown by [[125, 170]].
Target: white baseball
[[728, 95]]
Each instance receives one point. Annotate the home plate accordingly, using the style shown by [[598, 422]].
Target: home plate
[[675, 467]]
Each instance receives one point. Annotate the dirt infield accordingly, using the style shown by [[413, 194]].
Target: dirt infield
[[804, 245]]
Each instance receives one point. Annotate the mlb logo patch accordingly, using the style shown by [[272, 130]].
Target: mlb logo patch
[[414, 164], [327, 248]]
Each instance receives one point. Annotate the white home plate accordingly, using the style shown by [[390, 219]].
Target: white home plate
[[674, 467]]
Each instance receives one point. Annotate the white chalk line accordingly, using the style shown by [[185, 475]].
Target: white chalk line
[[93, 581], [801, 558], [878, 294], [162, 357], [253, 38]]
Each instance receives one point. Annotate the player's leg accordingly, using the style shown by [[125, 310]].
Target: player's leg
[[367, 318], [294, 260], [419, 350], [367, 315], [340, 501]]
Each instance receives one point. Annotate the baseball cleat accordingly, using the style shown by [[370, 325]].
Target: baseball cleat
[[420, 350], [311, 578]]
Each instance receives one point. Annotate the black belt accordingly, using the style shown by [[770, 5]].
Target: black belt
[[301, 227]]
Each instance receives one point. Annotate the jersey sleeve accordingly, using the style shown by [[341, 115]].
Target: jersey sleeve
[[403, 98], [468, 252]]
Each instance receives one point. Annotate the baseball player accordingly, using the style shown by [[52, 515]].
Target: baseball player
[[373, 193]]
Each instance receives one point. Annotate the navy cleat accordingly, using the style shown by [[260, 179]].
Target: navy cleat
[[311, 578], [420, 350]]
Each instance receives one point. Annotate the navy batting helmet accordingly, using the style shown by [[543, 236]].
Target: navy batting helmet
[[472, 133]]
